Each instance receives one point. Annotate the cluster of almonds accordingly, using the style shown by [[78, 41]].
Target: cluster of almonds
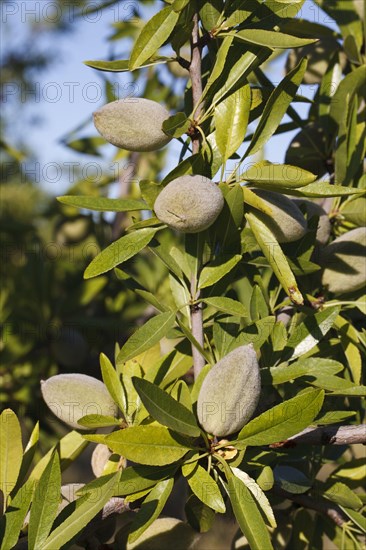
[[191, 204]]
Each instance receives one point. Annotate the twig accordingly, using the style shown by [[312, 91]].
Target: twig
[[319, 505], [327, 435], [196, 79]]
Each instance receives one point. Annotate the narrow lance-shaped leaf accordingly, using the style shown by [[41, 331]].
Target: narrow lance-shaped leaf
[[28, 455], [273, 252], [165, 409], [70, 447], [258, 494], [227, 305], [151, 445], [271, 39], [12, 521], [152, 36], [146, 336], [121, 250], [103, 204], [320, 189], [11, 452], [87, 508], [310, 332], [216, 270], [150, 508], [45, 504], [205, 488], [92, 421], [266, 173], [248, 515], [219, 63], [282, 421], [122, 65], [276, 107], [112, 382], [231, 120]]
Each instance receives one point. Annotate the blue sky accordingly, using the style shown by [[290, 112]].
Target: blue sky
[[68, 92]]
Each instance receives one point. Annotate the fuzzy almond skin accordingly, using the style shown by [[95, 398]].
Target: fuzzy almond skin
[[134, 124], [162, 534], [189, 204], [230, 392], [287, 222], [345, 262], [72, 396], [324, 226]]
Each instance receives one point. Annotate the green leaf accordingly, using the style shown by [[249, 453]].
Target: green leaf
[[176, 125], [150, 508], [265, 173], [322, 189], [334, 417], [248, 516], [70, 446], [216, 270], [122, 65], [219, 65], [282, 421], [310, 332], [291, 479], [205, 488], [341, 494], [11, 452], [113, 383], [231, 119], [313, 366], [165, 409], [255, 201], [103, 204], [98, 421], [86, 509], [12, 521], [46, 500], [152, 36], [28, 455], [199, 516], [256, 333], [121, 250], [276, 107], [137, 478], [227, 305], [146, 336], [276, 258], [271, 39], [151, 445], [245, 63], [356, 517], [352, 83], [179, 5], [258, 494]]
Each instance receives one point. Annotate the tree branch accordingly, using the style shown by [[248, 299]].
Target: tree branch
[[327, 435], [322, 506], [196, 79]]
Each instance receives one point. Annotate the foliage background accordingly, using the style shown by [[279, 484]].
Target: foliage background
[[53, 321]]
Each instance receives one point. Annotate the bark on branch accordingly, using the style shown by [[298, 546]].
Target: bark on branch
[[196, 79], [327, 435]]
